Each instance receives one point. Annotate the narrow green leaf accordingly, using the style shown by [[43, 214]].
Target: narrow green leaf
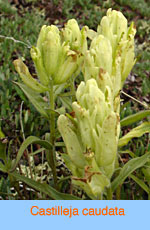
[[57, 112], [68, 94], [140, 183], [59, 88], [128, 168], [146, 172], [2, 146], [67, 103], [133, 155], [61, 110], [35, 98], [3, 151], [37, 151], [136, 132], [44, 188], [134, 118], [2, 167], [1, 134], [30, 140]]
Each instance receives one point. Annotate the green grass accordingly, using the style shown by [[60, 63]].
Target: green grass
[[24, 28]]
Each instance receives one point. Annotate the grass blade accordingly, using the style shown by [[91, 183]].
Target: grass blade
[[30, 140], [136, 132], [134, 118], [140, 183], [44, 188], [128, 168]]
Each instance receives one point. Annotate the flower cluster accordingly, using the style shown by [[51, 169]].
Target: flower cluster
[[91, 136], [91, 145], [111, 55], [57, 56]]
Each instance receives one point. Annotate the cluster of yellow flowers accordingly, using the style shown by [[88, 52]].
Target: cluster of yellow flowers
[[57, 57], [91, 137]]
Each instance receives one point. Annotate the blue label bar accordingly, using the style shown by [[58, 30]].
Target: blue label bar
[[74, 215]]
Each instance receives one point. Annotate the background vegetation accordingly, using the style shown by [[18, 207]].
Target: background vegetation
[[21, 20]]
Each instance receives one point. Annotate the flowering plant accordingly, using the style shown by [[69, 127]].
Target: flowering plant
[[89, 119]]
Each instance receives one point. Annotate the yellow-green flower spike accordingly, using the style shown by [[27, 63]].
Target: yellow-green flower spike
[[90, 141]]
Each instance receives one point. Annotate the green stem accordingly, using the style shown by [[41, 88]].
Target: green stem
[[100, 197], [118, 193], [73, 90], [118, 190], [52, 133], [109, 193]]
